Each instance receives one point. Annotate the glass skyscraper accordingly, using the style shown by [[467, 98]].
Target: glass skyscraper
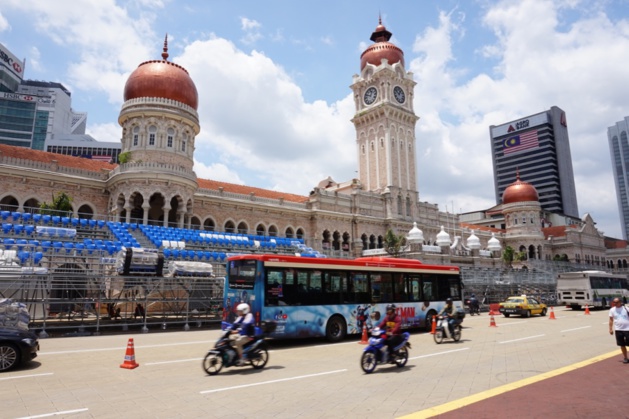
[[619, 149]]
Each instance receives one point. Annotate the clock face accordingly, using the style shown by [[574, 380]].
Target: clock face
[[370, 95], [398, 92]]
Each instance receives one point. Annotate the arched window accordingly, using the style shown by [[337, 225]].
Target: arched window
[[408, 206], [261, 230], [152, 134], [372, 147], [230, 227], [209, 225], [170, 138], [300, 233], [289, 233], [273, 231], [243, 228], [399, 204], [136, 135]]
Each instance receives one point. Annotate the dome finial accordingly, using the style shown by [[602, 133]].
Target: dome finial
[[165, 53]]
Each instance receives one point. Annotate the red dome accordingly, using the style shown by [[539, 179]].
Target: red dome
[[519, 191], [163, 79], [381, 49]]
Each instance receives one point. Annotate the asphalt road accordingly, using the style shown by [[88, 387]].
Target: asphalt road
[[81, 377]]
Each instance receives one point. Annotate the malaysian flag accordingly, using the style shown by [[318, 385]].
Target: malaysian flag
[[520, 142]]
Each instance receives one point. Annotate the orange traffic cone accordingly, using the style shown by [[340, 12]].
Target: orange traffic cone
[[587, 309], [364, 339], [129, 358], [492, 322], [434, 325], [552, 314]]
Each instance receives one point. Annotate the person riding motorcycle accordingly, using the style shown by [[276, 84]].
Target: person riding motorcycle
[[242, 329], [392, 324], [474, 306], [450, 312]]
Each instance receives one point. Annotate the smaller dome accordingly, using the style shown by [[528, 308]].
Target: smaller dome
[[493, 244], [519, 191], [443, 238], [415, 235], [473, 242], [382, 48]]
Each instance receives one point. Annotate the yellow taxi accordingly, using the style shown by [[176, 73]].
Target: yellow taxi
[[523, 306]]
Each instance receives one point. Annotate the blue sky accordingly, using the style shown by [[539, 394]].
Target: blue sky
[[273, 80]]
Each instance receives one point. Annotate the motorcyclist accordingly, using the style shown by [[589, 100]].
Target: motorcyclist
[[392, 325], [242, 330], [474, 306], [451, 314]]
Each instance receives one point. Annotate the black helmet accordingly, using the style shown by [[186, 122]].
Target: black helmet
[[390, 307], [448, 300]]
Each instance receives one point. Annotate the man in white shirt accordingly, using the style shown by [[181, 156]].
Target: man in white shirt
[[619, 324]]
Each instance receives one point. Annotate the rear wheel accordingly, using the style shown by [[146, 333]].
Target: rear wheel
[[506, 314], [401, 357], [527, 313], [9, 356], [543, 313], [259, 358], [368, 361], [213, 363], [438, 336], [336, 329]]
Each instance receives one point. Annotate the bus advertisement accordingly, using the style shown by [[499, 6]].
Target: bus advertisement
[[331, 298], [590, 288]]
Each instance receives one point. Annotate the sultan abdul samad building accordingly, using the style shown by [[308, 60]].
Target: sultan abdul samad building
[[156, 184]]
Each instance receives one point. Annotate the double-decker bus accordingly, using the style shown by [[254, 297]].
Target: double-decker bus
[[324, 297], [591, 288]]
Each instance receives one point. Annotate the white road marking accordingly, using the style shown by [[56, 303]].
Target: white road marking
[[578, 328], [271, 382], [518, 340], [26, 376], [440, 353], [512, 323], [173, 362], [78, 351], [65, 412]]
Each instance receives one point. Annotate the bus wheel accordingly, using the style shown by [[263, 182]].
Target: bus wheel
[[336, 329], [428, 325]]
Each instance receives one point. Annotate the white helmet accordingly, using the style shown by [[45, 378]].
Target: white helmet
[[244, 307]]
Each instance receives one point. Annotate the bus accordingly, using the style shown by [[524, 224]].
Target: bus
[[331, 298], [590, 288]]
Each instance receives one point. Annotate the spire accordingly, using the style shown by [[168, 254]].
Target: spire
[[165, 53]]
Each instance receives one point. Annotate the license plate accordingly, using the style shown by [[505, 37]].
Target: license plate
[[510, 310]]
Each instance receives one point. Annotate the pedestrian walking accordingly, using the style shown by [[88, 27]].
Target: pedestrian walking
[[619, 325]]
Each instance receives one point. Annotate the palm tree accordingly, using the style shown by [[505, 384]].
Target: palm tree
[[394, 243], [61, 205]]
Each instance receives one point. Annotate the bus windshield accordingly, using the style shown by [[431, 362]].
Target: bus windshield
[[242, 274]]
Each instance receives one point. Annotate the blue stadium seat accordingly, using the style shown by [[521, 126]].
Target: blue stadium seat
[[18, 228], [167, 253], [65, 221], [16, 216], [92, 223], [26, 217], [9, 243], [7, 227], [69, 246], [56, 219], [23, 256], [37, 218], [46, 219], [57, 246], [101, 223], [74, 221], [83, 222], [80, 247], [29, 229], [37, 257], [21, 243], [5, 214], [46, 245]]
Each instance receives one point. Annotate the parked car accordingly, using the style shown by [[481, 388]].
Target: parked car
[[17, 347], [523, 306]]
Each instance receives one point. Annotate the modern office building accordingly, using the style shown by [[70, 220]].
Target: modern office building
[[84, 146], [11, 70], [538, 148], [619, 149]]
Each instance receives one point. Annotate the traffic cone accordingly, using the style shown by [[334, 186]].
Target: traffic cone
[[364, 339], [587, 309], [129, 358], [492, 322], [434, 325], [552, 314]]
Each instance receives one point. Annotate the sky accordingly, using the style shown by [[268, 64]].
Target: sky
[[273, 79]]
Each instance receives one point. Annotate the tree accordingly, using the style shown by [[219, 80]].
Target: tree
[[394, 243], [61, 205], [124, 157], [508, 255]]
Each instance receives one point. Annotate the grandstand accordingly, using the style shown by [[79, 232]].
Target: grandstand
[[93, 275]]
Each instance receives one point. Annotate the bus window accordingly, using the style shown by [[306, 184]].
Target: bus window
[[332, 288], [412, 285], [381, 288], [400, 293], [429, 286], [274, 287], [455, 288], [357, 288], [315, 287]]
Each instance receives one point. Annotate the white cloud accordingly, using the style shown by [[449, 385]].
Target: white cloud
[[109, 132], [4, 24]]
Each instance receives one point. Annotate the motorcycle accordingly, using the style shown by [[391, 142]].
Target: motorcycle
[[224, 353], [376, 347], [473, 307], [442, 331]]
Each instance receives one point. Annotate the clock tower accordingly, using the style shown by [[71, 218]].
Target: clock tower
[[385, 123]]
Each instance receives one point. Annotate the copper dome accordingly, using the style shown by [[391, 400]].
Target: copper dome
[[381, 49], [519, 191], [163, 79]]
